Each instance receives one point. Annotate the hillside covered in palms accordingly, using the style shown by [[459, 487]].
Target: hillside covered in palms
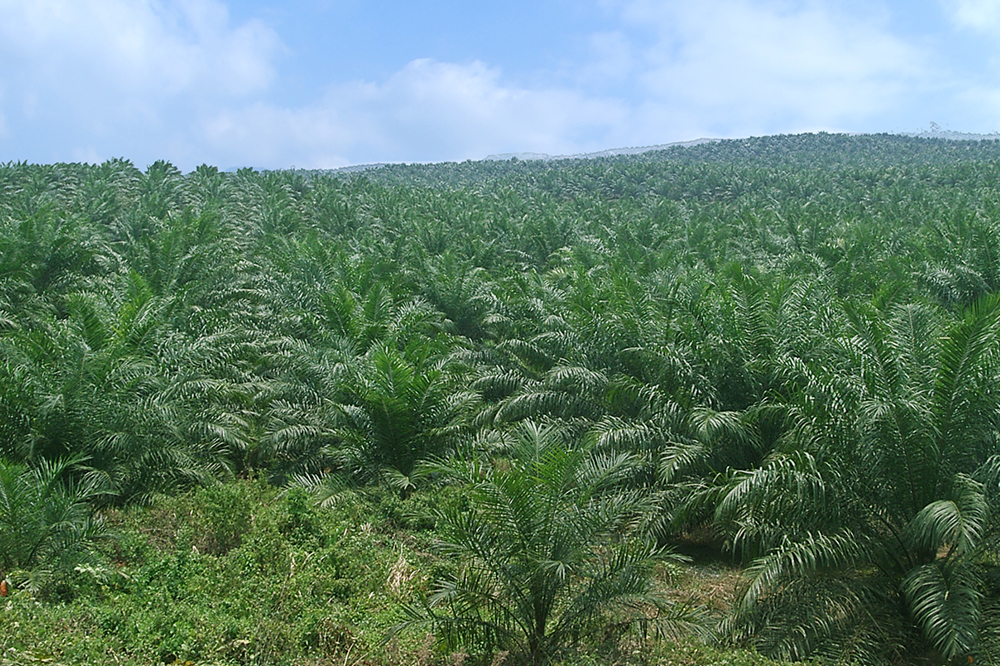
[[488, 402]]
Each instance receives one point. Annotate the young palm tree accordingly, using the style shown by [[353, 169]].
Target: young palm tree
[[548, 553], [380, 413], [96, 384], [46, 522]]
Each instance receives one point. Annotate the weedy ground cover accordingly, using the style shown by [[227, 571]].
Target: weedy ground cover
[[243, 573]]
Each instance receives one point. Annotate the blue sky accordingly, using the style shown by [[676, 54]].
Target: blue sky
[[328, 83]]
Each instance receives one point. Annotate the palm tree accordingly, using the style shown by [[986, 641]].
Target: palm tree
[[398, 411], [548, 552], [46, 523], [108, 382], [366, 416]]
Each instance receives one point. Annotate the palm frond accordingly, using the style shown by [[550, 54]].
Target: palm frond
[[945, 601]]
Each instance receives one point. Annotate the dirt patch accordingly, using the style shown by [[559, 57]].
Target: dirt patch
[[711, 578], [712, 586]]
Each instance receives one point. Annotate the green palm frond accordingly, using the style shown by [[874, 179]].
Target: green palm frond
[[800, 559], [45, 517]]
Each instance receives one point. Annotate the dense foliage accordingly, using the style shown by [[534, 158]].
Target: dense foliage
[[793, 341]]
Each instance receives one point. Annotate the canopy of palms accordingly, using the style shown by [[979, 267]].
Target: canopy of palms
[[874, 520]]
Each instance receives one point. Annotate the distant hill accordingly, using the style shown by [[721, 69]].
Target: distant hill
[[934, 132], [603, 153]]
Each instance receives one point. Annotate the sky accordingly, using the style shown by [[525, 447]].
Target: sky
[[329, 83]]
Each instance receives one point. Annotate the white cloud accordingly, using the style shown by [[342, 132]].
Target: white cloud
[[427, 111], [756, 66], [979, 109], [122, 77], [614, 59], [141, 47], [979, 15], [668, 71]]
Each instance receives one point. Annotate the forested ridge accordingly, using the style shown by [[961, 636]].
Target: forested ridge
[[498, 398]]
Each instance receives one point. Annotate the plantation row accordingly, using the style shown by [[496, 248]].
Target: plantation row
[[788, 343]]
